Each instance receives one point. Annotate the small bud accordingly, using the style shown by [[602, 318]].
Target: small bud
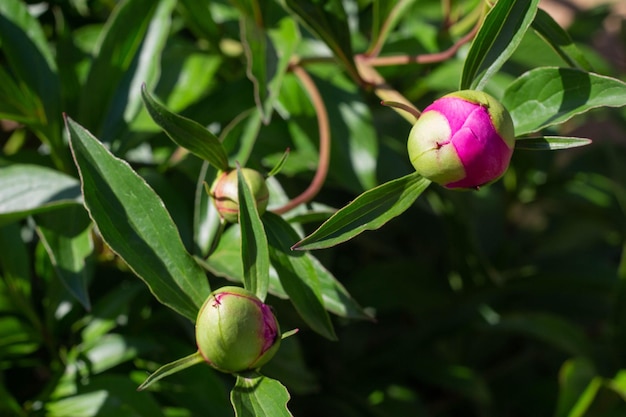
[[226, 197], [462, 140], [235, 331]]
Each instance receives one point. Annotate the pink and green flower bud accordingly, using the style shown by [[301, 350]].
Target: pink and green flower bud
[[462, 140], [226, 197], [235, 331]]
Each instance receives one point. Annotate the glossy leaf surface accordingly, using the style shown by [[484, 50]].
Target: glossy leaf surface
[[369, 211], [133, 221], [548, 96]]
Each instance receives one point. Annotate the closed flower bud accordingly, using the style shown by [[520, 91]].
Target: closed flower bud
[[235, 331], [226, 197], [462, 140]]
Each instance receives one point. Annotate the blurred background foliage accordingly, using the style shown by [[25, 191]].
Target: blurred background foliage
[[507, 302]]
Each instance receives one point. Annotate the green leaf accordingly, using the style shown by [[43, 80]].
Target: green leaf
[[559, 40], [187, 133], [225, 262], [498, 37], [548, 96], [66, 235], [32, 91], [369, 211], [327, 19], [127, 54], [279, 165], [105, 396], [134, 222], [269, 43], [29, 189], [171, 368], [207, 224], [549, 143], [386, 15], [555, 331], [255, 395], [575, 377], [297, 275], [254, 252]]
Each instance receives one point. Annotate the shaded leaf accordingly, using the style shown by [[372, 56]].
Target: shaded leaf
[[385, 16], [548, 96], [134, 222], [30, 58], [369, 211], [187, 133], [498, 37], [66, 235], [297, 275], [559, 40], [254, 251], [269, 43], [126, 55], [549, 143], [255, 395], [327, 19]]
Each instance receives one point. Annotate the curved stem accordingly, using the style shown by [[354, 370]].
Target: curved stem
[[423, 58], [324, 142]]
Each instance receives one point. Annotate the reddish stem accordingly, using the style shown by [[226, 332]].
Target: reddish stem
[[380, 61], [324, 140]]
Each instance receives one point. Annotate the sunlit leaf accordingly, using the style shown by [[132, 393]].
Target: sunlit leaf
[[549, 143], [187, 133], [369, 211], [297, 275], [255, 395], [134, 222], [254, 252], [548, 96], [500, 34], [28, 189], [171, 368]]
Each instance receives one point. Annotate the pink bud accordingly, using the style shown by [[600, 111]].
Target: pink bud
[[462, 140]]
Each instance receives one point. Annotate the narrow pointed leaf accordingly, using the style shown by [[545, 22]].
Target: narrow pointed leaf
[[297, 275], [385, 16], [327, 20], [255, 395], [548, 96], [269, 38], [171, 368], [66, 235], [187, 133], [126, 54], [225, 262], [28, 189], [559, 40], [279, 165], [369, 211], [254, 252], [498, 37], [134, 222], [549, 143]]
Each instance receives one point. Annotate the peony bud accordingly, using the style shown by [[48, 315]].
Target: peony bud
[[226, 197], [235, 331], [462, 140]]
